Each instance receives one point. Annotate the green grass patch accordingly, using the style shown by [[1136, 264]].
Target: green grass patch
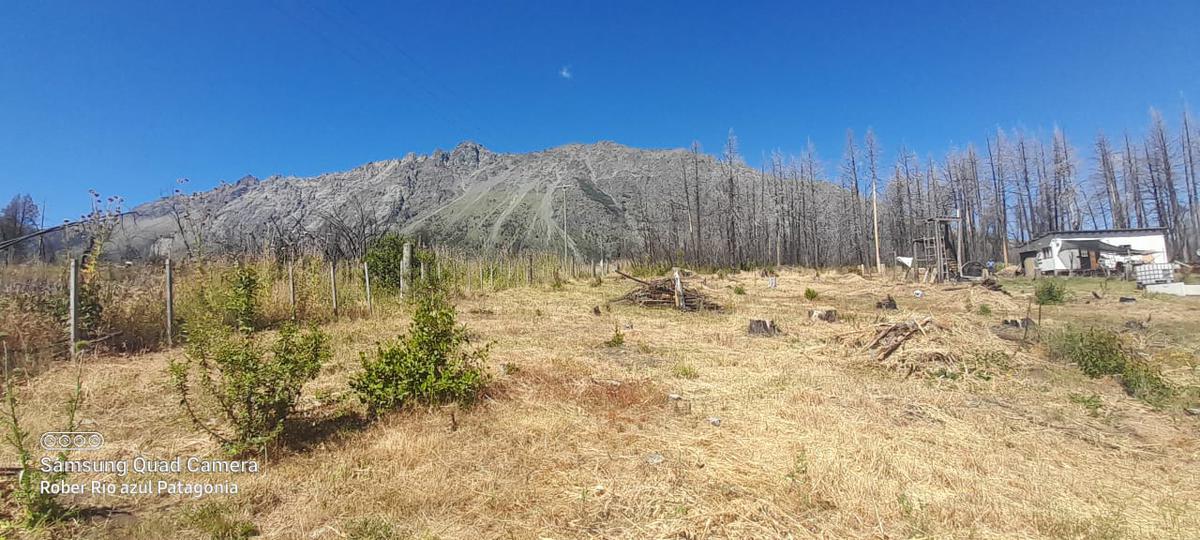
[[1091, 402], [685, 371]]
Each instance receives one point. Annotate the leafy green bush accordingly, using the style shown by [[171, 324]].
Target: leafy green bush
[[1100, 352], [252, 387], [810, 294], [739, 289], [241, 302], [1141, 380], [385, 259], [1049, 292], [431, 364], [1096, 352], [984, 310]]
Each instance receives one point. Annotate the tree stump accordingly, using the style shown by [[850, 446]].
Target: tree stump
[[763, 328], [827, 315]]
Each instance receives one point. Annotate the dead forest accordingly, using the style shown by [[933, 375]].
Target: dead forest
[[1010, 189]]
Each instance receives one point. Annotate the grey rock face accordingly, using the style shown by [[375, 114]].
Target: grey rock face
[[615, 200]]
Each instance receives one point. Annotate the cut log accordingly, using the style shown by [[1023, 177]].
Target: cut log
[[828, 316], [763, 328]]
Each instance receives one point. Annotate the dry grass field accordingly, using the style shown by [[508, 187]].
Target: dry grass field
[[691, 428]]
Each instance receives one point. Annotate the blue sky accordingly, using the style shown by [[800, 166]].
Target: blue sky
[[126, 97]]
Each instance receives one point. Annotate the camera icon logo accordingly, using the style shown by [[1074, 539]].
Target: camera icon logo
[[57, 441]]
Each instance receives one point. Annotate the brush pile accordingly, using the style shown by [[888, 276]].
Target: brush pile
[[661, 293], [891, 336], [992, 285]]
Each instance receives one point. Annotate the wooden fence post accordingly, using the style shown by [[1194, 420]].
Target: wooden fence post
[[529, 271], [170, 305], [73, 308], [292, 287], [367, 279], [405, 266], [678, 289], [333, 286]]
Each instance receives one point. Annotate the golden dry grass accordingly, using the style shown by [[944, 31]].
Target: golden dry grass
[[576, 439]]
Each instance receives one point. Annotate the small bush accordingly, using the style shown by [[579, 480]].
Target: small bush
[[241, 302], [685, 371], [810, 294], [1099, 353], [431, 364], [385, 261], [1096, 352], [617, 339], [1143, 381], [232, 375], [1050, 292], [984, 310], [738, 289]]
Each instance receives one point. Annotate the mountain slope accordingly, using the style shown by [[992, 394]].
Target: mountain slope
[[615, 199]]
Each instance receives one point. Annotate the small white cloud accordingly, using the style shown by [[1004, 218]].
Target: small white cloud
[[565, 72]]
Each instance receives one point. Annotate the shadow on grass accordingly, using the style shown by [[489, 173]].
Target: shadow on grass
[[303, 432]]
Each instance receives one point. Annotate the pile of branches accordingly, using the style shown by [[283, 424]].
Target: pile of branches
[[890, 337], [992, 285], [661, 293]]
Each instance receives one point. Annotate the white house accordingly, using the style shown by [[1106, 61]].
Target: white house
[[1089, 252]]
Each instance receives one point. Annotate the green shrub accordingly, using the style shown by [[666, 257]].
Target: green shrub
[[385, 260], [253, 388], [739, 290], [984, 310], [810, 294], [1050, 292], [685, 371], [1096, 352], [1143, 381], [241, 302], [431, 364], [617, 339], [1099, 353]]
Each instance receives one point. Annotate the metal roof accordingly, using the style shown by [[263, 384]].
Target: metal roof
[[1039, 242]]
